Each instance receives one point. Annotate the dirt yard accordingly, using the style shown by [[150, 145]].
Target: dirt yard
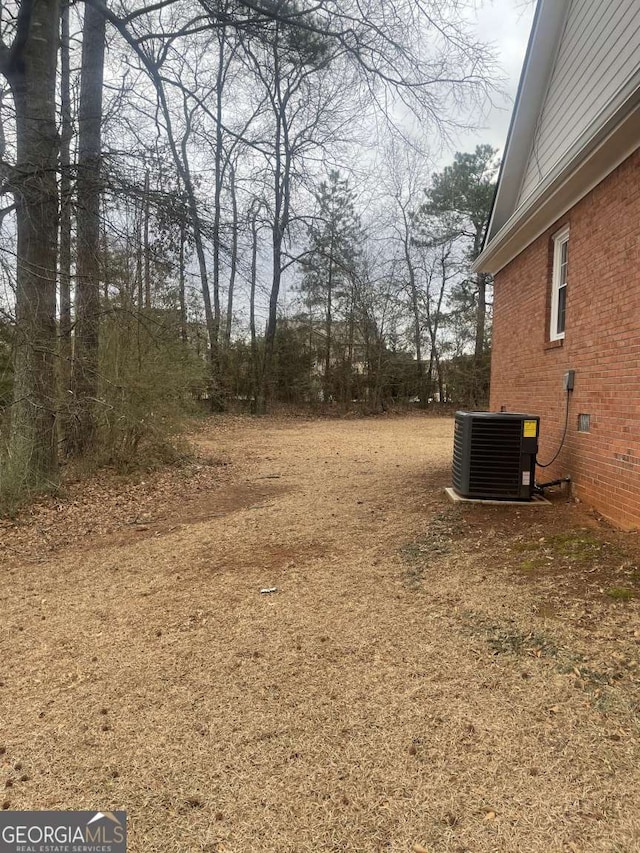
[[426, 676]]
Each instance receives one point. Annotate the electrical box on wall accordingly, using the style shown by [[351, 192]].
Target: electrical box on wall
[[569, 380]]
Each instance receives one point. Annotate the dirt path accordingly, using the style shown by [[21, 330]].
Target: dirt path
[[426, 677]]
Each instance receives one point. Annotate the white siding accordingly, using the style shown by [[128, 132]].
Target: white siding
[[599, 53]]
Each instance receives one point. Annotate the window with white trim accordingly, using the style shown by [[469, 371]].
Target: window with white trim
[[559, 284]]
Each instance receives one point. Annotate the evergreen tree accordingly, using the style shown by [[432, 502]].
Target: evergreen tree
[[330, 267], [457, 208]]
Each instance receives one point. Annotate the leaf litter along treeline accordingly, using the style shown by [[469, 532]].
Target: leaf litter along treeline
[[188, 213]]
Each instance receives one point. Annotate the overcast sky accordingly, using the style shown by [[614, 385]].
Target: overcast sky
[[506, 24]]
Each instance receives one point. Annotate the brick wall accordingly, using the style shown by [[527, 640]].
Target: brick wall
[[602, 344]]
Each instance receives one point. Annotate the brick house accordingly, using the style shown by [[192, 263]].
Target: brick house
[[563, 245]]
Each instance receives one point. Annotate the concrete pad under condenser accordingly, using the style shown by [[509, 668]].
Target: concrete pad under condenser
[[536, 500]]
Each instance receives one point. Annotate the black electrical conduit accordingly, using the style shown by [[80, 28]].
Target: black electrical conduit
[[564, 435]]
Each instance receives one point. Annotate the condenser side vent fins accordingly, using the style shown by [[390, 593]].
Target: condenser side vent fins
[[494, 455]]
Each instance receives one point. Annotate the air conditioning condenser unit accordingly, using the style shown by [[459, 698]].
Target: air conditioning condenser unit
[[494, 455]]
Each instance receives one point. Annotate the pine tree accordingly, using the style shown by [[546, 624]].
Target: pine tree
[[330, 267], [457, 208]]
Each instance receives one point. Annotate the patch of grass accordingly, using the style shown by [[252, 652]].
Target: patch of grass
[[422, 554], [577, 549], [527, 545], [577, 545], [414, 575], [518, 643], [620, 593], [509, 639], [425, 549], [574, 663], [434, 544]]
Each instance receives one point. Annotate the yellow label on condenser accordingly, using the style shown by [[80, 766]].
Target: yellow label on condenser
[[530, 429]]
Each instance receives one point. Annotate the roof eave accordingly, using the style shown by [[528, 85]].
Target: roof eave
[[544, 41], [595, 155]]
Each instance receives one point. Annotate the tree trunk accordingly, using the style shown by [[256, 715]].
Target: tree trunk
[[350, 351], [217, 196], [326, 393], [104, 253], [181, 290], [280, 225], [213, 324], [270, 336], [423, 387], [147, 248], [65, 210], [441, 394], [30, 69], [85, 361], [139, 282], [255, 373], [212, 327], [234, 256]]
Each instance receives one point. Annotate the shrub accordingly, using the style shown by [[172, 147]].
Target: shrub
[[149, 381]]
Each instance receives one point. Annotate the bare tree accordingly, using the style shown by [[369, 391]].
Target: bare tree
[[405, 189], [291, 68], [82, 426]]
